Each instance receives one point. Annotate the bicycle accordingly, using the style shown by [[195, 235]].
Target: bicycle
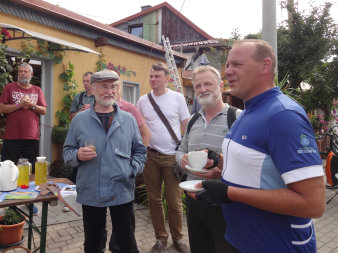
[[331, 165]]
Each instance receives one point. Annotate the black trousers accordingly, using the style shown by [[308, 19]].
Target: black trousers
[[123, 221], [206, 228], [15, 149]]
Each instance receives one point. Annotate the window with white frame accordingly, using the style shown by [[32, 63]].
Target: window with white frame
[[130, 91]]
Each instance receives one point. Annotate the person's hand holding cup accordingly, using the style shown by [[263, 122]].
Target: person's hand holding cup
[[90, 144], [197, 159], [88, 152]]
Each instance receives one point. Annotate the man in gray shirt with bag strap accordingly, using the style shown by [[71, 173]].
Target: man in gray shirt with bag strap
[[206, 225]]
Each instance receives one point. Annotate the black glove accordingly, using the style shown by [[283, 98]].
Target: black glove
[[215, 192], [213, 156]]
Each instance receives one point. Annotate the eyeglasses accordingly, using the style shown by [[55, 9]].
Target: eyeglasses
[[106, 87]]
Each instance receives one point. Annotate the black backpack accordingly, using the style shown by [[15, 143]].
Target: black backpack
[[80, 100]]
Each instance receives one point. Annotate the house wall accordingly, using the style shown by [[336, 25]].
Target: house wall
[[151, 27], [163, 22], [136, 66], [124, 26], [176, 29]]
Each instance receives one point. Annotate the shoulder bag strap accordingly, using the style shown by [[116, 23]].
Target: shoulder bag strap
[[163, 118], [192, 121], [80, 99]]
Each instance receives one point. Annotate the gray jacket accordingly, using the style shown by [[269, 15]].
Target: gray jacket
[[108, 179]]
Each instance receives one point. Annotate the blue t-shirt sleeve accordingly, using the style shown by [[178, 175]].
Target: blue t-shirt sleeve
[[291, 142]]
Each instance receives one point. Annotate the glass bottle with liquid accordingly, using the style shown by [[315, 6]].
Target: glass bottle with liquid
[[41, 170], [25, 169]]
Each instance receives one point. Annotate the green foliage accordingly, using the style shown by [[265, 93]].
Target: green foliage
[[235, 35], [60, 170], [70, 88], [44, 48], [256, 36], [59, 134], [305, 43], [11, 217], [27, 50], [101, 63], [54, 51], [219, 56], [5, 76], [141, 194], [314, 122], [308, 53]]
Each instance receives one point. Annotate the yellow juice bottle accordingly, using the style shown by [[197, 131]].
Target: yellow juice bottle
[[24, 171], [40, 170]]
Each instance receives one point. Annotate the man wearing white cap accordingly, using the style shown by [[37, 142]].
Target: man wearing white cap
[[106, 174]]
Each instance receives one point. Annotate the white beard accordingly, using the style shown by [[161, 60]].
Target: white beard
[[23, 80], [105, 102], [209, 100]]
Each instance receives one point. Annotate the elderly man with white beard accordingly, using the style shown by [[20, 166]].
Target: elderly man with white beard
[[206, 225], [23, 103], [106, 174]]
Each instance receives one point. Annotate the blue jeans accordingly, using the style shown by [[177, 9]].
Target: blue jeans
[[123, 221]]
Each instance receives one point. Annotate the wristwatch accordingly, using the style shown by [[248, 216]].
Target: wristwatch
[[33, 107]]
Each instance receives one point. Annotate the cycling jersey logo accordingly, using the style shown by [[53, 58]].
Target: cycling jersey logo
[[304, 140]]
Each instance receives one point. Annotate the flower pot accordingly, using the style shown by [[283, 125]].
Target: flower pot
[[11, 234]]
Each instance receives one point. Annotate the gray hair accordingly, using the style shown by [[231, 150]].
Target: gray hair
[[26, 65], [206, 68]]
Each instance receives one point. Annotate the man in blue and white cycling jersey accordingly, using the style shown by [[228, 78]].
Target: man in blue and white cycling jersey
[[272, 177]]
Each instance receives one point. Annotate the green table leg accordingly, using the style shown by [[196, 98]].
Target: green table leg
[[43, 227], [30, 229]]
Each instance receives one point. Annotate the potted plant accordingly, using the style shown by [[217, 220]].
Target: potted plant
[[11, 227], [58, 168], [59, 134]]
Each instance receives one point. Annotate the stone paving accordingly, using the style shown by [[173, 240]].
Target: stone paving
[[326, 227], [65, 230]]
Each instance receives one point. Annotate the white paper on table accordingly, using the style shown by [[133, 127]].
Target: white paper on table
[[68, 190], [69, 194]]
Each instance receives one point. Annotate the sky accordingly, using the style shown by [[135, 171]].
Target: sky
[[218, 18]]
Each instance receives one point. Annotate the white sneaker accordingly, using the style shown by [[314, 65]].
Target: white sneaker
[[66, 209]]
